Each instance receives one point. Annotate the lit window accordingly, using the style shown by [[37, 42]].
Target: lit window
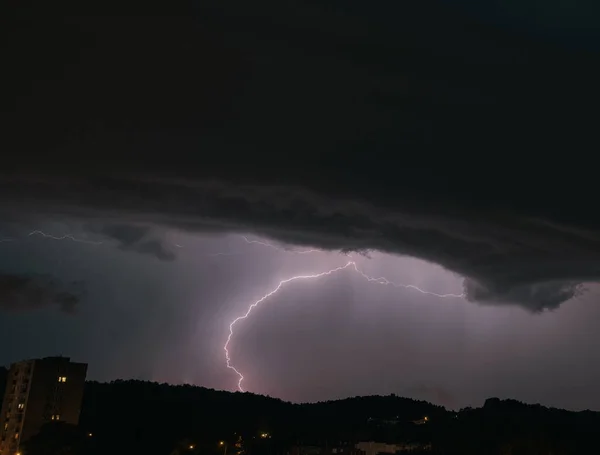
[[5, 426], [16, 435], [62, 379], [21, 405]]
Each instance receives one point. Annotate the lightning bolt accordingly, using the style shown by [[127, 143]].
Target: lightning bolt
[[257, 242], [385, 281], [64, 237], [352, 265], [275, 247]]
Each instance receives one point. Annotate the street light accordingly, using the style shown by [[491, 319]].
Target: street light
[[224, 445]]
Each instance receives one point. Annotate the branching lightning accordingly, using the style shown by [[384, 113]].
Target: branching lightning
[[352, 265], [262, 299], [64, 237], [45, 235], [349, 265], [385, 281], [261, 243], [275, 247]]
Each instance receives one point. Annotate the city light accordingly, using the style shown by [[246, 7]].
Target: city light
[[192, 447], [221, 443]]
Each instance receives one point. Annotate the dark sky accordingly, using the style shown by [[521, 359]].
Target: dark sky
[[450, 143]]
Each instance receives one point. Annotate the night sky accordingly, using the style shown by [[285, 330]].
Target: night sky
[[147, 318], [164, 170]]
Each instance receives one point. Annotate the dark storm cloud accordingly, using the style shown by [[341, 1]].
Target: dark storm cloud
[[507, 259], [535, 297], [141, 239], [406, 127], [28, 292]]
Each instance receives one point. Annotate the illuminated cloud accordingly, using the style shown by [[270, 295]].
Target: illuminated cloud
[[404, 128], [514, 259], [134, 237]]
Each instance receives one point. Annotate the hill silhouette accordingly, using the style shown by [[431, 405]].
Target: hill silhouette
[[3, 378], [150, 418]]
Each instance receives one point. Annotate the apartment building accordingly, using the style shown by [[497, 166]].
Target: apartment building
[[39, 391]]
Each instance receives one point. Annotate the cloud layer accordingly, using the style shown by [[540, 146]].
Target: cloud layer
[[412, 129], [508, 259], [27, 292], [138, 238]]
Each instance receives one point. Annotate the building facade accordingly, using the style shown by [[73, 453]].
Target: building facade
[[39, 391]]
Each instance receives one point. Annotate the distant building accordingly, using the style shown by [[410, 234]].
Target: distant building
[[346, 450], [318, 450], [383, 422], [39, 391], [376, 448], [413, 446], [306, 450], [422, 421]]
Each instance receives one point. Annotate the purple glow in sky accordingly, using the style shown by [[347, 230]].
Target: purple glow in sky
[[331, 337], [168, 181], [350, 265]]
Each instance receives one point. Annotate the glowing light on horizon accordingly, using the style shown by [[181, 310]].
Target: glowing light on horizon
[[352, 265]]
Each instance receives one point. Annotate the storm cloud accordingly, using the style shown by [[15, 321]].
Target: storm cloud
[[505, 260], [141, 239], [29, 292], [418, 130]]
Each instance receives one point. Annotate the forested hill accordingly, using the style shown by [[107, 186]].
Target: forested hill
[[143, 411], [143, 417]]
